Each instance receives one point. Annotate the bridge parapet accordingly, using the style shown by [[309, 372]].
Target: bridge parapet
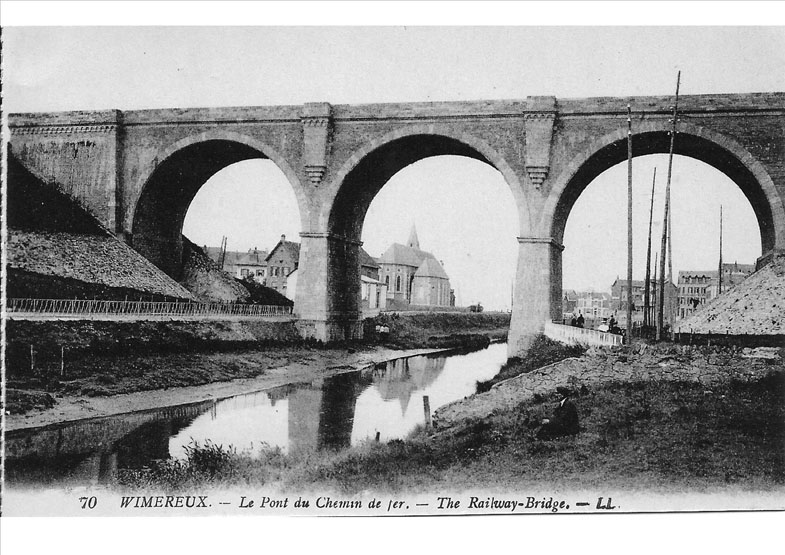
[[572, 336]]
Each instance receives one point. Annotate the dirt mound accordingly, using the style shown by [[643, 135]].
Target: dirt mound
[[207, 282], [261, 294], [755, 306], [99, 263]]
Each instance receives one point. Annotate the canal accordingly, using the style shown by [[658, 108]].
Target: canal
[[384, 401]]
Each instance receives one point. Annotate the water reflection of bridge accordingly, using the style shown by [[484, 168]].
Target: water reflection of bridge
[[91, 451], [319, 415]]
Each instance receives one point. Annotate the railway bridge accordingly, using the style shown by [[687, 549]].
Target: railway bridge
[[138, 171]]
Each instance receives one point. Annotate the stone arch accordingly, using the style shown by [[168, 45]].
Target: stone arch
[[652, 137], [332, 250], [405, 146], [170, 181]]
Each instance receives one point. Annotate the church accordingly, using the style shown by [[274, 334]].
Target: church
[[413, 276]]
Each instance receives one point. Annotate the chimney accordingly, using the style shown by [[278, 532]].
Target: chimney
[[283, 238]]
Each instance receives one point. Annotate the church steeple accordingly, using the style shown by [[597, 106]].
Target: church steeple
[[413, 241]]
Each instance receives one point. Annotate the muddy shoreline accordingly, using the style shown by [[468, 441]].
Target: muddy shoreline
[[317, 364]]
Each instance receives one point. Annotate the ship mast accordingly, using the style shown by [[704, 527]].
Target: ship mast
[[629, 226], [719, 270], [666, 219], [647, 282]]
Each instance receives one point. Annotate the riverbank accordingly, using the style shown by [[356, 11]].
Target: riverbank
[[59, 366], [138, 383], [664, 420], [409, 330]]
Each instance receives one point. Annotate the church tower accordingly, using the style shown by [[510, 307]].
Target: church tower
[[413, 242]]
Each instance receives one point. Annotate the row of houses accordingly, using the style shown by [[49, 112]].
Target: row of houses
[[693, 289], [403, 275], [696, 288]]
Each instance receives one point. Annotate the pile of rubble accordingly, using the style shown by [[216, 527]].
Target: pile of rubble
[[755, 306], [203, 278]]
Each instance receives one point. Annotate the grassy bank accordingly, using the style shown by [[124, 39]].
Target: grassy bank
[[103, 358], [97, 376], [652, 436], [80, 338], [543, 351], [441, 330]]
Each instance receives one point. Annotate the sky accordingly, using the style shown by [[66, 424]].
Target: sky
[[462, 208]]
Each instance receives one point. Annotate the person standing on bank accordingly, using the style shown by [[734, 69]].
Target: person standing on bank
[[580, 319]]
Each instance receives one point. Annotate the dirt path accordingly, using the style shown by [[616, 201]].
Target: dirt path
[[314, 364]]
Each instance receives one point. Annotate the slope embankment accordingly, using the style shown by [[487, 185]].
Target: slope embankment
[[755, 307], [57, 250], [47, 340], [208, 283]]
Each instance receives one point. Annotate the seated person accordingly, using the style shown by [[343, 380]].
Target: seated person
[[564, 421]]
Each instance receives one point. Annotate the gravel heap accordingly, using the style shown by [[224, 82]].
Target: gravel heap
[[207, 281], [95, 259], [755, 306]]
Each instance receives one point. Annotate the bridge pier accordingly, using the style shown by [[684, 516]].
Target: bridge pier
[[537, 298], [327, 300]]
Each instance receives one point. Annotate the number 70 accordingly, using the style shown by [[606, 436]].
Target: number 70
[[88, 502]]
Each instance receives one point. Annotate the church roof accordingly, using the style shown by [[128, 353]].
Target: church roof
[[406, 256], [431, 268]]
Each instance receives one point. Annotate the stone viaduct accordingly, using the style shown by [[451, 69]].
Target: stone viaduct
[[137, 172]]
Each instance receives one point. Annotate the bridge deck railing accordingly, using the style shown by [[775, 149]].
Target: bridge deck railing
[[572, 335], [83, 307]]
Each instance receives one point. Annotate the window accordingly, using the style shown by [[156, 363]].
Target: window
[[387, 281], [398, 283], [244, 272]]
